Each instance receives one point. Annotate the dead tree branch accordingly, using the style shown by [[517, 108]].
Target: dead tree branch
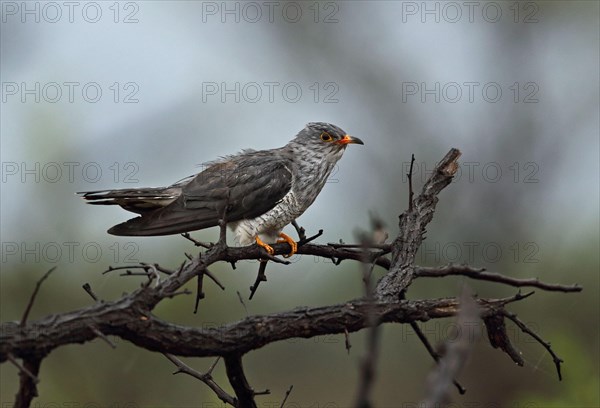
[[131, 316]]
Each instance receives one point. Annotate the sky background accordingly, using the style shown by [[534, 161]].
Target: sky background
[[139, 94]]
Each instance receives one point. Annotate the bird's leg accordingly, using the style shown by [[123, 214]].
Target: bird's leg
[[289, 240], [266, 247]]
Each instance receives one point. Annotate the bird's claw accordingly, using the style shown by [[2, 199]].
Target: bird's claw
[[291, 242], [264, 246]]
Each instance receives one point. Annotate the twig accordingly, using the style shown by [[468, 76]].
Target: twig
[[98, 333], [34, 294], [434, 354], [557, 360], [197, 243], [263, 392], [150, 271], [260, 277], [371, 245], [242, 301], [410, 184], [480, 274], [347, 341], [275, 259], [22, 368], [179, 292], [86, 286], [300, 230], [214, 278], [199, 293], [206, 378], [306, 240], [163, 269], [287, 394]]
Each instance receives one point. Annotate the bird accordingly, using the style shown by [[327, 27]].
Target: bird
[[257, 193]]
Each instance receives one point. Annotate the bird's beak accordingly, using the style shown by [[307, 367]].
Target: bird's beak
[[347, 139]]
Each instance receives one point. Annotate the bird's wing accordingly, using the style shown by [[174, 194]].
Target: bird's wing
[[241, 187], [138, 200]]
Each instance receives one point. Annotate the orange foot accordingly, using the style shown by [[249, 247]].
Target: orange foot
[[289, 240], [266, 247]]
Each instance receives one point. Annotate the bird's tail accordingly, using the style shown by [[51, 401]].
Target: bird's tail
[[137, 200]]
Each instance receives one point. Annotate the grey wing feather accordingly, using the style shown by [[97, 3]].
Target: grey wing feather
[[243, 187], [138, 200]]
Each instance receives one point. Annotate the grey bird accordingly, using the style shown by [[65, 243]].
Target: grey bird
[[258, 193]]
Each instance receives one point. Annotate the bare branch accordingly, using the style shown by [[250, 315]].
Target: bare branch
[[34, 294], [206, 378], [411, 193], [127, 319], [299, 230], [347, 341], [197, 243], [480, 274], [287, 394], [260, 277], [434, 354], [199, 292], [242, 301], [557, 360]]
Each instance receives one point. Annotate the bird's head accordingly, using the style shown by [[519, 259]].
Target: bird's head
[[325, 138]]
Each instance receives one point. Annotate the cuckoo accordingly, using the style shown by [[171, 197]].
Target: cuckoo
[[257, 193]]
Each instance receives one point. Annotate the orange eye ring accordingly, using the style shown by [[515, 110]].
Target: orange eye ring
[[326, 137]]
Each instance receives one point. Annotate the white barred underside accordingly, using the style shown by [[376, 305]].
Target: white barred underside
[[269, 225]]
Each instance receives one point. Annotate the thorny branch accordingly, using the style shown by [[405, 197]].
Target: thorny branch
[[206, 378], [130, 317]]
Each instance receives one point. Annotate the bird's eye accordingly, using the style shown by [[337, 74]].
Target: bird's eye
[[326, 137]]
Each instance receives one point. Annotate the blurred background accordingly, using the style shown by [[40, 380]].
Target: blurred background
[[137, 94]]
